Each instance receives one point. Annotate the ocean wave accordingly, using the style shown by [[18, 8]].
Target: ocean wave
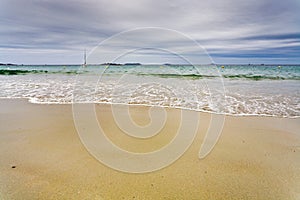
[[261, 77], [254, 77], [20, 71], [263, 91], [192, 76], [242, 98], [233, 76], [23, 72]]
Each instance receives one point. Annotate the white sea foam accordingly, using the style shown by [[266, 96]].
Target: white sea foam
[[270, 98]]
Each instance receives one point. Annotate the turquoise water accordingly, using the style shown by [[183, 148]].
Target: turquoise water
[[270, 90], [254, 72]]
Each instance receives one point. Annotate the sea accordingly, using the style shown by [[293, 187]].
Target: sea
[[256, 90]]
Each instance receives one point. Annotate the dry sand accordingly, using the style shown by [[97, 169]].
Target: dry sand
[[42, 157]]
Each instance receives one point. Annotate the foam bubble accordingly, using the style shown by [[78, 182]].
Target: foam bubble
[[269, 98]]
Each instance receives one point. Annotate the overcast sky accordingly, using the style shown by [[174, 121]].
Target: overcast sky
[[231, 31]]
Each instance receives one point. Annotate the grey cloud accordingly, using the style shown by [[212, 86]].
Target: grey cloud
[[219, 25]]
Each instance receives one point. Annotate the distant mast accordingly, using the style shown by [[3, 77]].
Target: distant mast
[[84, 62]]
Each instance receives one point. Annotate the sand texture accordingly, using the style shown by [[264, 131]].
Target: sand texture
[[42, 157]]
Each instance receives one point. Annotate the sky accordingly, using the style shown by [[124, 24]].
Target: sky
[[229, 31]]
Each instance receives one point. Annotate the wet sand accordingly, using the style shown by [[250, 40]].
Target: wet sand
[[42, 157]]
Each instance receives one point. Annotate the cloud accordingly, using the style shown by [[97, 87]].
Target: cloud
[[230, 28]]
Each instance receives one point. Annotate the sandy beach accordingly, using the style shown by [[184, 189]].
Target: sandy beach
[[149, 100], [42, 157]]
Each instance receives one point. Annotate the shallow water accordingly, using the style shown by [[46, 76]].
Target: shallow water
[[236, 90]]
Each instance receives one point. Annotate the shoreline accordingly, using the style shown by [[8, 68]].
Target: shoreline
[[146, 105], [256, 157]]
